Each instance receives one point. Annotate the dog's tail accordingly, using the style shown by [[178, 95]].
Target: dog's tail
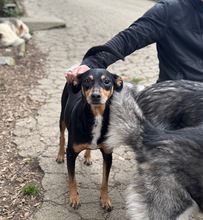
[[126, 120], [103, 48]]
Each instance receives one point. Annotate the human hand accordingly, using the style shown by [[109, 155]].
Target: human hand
[[72, 73]]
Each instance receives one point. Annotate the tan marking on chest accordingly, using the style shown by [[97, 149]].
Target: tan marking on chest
[[98, 110]]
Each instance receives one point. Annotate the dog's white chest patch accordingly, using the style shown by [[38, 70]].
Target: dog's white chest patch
[[96, 131]]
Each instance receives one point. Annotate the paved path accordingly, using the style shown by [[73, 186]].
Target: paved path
[[88, 23]]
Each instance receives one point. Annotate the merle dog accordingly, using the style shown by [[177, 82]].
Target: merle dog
[[167, 183]]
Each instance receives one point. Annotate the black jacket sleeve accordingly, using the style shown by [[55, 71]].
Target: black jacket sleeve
[[148, 29]]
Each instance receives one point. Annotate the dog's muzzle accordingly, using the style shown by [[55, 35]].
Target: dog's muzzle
[[96, 98]]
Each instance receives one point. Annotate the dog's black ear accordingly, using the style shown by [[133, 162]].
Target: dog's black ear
[[76, 84], [118, 83]]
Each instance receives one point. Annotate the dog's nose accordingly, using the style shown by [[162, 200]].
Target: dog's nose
[[96, 96]]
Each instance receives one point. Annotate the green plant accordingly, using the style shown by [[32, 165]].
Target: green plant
[[10, 11], [136, 80], [2, 6], [31, 189]]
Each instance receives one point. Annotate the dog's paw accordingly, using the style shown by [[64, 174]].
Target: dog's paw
[[75, 202], [60, 159], [88, 161], [87, 158], [106, 204]]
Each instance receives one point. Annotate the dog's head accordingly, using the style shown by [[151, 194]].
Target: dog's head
[[20, 28], [24, 31], [7, 37], [97, 85]]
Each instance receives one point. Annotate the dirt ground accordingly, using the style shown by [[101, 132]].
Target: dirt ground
[[15, 171]]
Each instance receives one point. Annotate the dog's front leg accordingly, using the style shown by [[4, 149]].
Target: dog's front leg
[[61, 152], [73, 194], [107, 162]]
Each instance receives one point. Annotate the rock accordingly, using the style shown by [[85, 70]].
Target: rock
[[7, 61]]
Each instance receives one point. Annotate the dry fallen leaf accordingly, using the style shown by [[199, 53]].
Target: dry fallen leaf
[[15, 84]]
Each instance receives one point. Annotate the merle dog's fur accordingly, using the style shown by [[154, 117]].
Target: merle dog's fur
[[168, 181], [172, 104]]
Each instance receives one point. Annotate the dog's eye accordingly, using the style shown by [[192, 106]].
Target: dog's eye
[[87, 81], [107, 81]]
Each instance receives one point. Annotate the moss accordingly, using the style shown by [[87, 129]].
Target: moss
[[31, 189]]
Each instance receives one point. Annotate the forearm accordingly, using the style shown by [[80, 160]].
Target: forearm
[[148, 29]]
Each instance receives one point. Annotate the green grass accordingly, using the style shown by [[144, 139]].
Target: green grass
[[136, 80], [31, 189], [122, 74]]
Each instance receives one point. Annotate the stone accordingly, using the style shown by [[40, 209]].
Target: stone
[[7, 61]]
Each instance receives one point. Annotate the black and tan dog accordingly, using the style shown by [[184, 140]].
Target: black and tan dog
[[85, 113], [168, 174]]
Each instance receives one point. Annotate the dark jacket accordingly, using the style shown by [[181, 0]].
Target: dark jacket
[[176, 26]]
